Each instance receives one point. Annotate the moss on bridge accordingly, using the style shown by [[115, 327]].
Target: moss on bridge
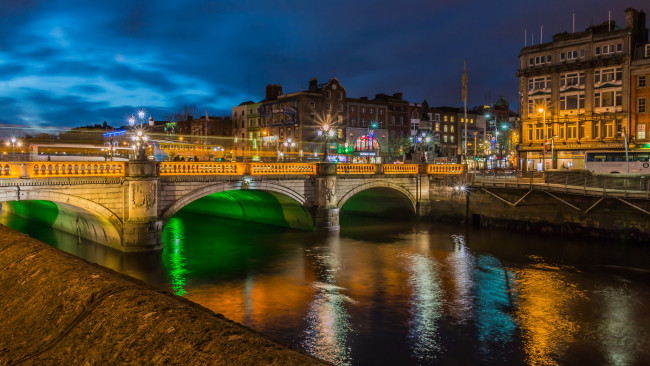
[[58, 309]]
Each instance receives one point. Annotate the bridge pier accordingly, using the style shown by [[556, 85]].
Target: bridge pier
[[327, 212], [142, 227]]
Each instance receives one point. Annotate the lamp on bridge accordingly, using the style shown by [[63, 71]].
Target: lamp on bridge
[[328, 133], [139, 135], [13, 142]]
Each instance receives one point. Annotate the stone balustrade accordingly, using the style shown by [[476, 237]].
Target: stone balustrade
[[10, 170], [191, 168], [117, 169], [355, 168], [75, 169], [446, 169], [400, 168], [283, 168]]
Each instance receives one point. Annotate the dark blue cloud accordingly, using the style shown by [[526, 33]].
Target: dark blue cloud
[[78, 62]]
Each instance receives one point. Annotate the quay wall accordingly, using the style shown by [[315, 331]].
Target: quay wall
[[58, 309]]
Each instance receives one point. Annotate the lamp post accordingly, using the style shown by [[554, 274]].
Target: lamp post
[[329, 133], [288, 144], [138, 134], [13, 142], [543, 111]]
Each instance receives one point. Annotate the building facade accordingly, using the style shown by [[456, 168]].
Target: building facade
[[576, 93]]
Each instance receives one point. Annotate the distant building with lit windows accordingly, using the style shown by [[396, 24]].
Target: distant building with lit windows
[[576, 93]]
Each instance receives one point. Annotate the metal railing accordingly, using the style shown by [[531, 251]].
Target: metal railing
[[576, 182]]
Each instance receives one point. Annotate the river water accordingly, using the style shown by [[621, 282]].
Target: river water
[[391, 293]]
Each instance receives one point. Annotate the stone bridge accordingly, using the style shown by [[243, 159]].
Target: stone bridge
[[126, 205]]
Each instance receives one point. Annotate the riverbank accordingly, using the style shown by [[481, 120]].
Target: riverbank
[[58, 309]]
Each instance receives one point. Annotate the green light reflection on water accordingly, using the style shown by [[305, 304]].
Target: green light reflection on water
[[173, 253]]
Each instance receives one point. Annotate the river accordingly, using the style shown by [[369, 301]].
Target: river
[[403, 293]]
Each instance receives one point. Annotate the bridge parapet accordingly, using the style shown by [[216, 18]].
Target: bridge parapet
[[191, 168], [347, 168], [283, 168]]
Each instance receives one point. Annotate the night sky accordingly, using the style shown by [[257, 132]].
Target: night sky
[[71, 63]]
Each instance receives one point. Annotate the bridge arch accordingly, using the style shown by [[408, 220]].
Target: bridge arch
[[77, 215], [229, 186], [377, 184]]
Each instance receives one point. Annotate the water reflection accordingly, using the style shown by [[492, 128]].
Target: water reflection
[[620, 334], [328, 322], [544, 298], [496, 328], [426, 306], [400, 294], [174, 253]]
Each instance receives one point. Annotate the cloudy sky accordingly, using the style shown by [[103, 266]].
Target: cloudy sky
[[69, 63]]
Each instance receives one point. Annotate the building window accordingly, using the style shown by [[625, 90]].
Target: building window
[[340, 96], [340, 118], [641, 107], [401, 120], [363, 122], [548, 59], [572, 131], [609, 98], [596, 131], [640, 131], [445, 127], [619, 47], [381, 112], [609, 130], [539, 132], [641, 81], [328, 106], [312, 104], [446, 118], [582, 53], [352, 109], [340, 107], [647, 50], [562, 56], [437, 126], [530, 133], [445, 138], [572, 101], [451, 139], [392, 120], [451, 118], [363, 110], [572, 79], [329, 94], [530, 61], [381, 123], [607, 75], [571, 55], [452, 128]]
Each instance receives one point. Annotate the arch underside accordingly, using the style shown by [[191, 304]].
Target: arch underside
[[379, 199], [68, 218], [262, 202]]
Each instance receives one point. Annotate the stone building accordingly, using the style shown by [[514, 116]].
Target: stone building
[[576, 94], [640, 71]]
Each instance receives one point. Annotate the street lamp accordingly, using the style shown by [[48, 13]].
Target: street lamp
[[13, 142], [138, 134], [328, 133], [543, 111], [288, 143]]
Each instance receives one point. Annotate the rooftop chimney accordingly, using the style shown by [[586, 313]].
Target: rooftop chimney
[[313, 85], [273, 91]]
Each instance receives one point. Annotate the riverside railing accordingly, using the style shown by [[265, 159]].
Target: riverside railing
[[575, 182], [62, 169]]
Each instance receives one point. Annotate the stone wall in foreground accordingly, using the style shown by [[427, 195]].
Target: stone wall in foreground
[[59, 309]]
